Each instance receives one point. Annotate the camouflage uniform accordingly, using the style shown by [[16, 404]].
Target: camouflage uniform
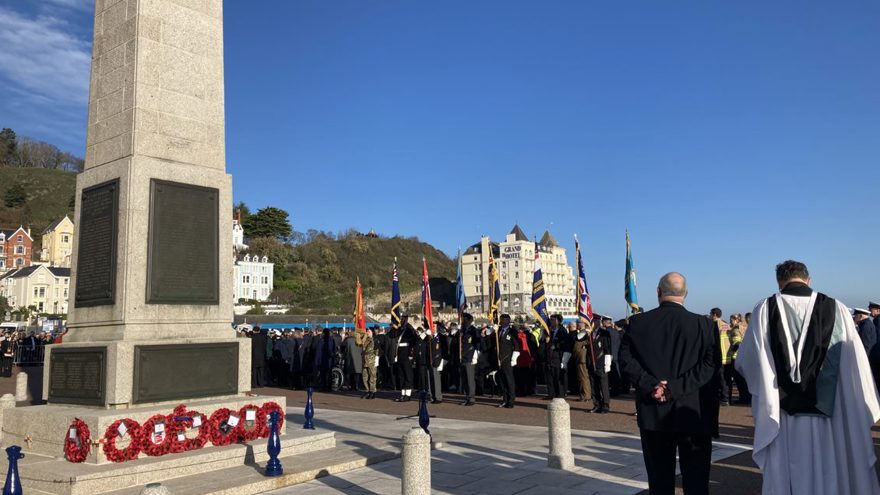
[[369, 353]]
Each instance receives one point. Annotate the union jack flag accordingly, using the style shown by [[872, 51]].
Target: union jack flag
[[585, 305]]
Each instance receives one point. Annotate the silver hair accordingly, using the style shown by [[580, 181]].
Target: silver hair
[[673, 284]]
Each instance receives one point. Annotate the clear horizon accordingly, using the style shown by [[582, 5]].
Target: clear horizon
[[725, 137]]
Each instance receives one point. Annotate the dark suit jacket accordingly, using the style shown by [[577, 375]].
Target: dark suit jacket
[[671, 343]]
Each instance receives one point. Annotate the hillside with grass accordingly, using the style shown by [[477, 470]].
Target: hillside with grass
[[35, 197], [318, 275]]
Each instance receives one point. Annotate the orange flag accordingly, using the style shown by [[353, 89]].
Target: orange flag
[[360, 320], [426, 299]]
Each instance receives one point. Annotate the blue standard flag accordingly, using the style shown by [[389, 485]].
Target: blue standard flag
[[460, 300], [629, 289], [539, 304], [395, 298]]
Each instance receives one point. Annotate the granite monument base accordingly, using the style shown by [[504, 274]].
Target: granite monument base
[[124, 374], [44, 469]]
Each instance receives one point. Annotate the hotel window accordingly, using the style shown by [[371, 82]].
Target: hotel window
[[65, 238], [19, 249], [42, 292], [20, 239], [246, 279]]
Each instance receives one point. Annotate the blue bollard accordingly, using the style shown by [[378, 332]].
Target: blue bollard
[[273, 467], [310, 411], [424, 417], [13, 482]]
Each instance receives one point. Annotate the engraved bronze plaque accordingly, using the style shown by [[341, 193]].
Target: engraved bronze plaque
[[184, 371], [96, 253], [77, 375], [182, 257]]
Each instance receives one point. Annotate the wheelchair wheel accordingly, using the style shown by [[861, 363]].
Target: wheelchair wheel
[[336, 379]]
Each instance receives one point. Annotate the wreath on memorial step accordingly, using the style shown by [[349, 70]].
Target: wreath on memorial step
[[223, 427], [250, 429], [191, 419], [267, 409], [157, 434], [78, 442], [119, 429]]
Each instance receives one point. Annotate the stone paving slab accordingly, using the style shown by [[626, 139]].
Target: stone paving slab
[[489, 458]]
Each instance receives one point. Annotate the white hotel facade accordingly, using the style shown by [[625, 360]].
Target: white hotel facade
[[254, 276], [515, 259]]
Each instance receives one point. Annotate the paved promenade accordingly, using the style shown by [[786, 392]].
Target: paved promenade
[[487, 458]]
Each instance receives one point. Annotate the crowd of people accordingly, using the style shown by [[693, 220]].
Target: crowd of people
[[27, 345], [508, 360], [809, 364]]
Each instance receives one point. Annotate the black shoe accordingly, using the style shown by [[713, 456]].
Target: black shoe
[[399, 399], [436, 401], [547, 398], [503, 404], [406, 398], [594, 410], [507, 406], [604, 410], [469, 403], [365, 396]]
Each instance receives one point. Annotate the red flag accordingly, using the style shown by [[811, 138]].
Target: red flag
[[360, 320], [427, 309]]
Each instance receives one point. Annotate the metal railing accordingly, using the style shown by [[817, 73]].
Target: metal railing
[[25, 355]]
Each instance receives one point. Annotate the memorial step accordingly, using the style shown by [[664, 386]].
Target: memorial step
[[246, 480], [59, 477]]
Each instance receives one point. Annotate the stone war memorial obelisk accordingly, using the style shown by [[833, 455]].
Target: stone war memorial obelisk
[[151, 286]]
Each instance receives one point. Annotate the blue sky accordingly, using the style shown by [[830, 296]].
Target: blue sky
[[725, 136]]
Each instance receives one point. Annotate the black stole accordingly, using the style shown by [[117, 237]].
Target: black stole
[[800, 398]]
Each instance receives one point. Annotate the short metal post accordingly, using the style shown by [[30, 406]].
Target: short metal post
[[424, 417], [310, 411], [273, 467], [13, 482]]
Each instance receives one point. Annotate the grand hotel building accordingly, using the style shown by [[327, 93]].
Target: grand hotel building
[[515, 259]]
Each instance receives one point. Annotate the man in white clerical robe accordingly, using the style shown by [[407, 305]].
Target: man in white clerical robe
[[813, 396]]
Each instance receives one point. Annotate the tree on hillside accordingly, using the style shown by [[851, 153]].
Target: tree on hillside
[[268, 222], [15, 196], [7, 146]]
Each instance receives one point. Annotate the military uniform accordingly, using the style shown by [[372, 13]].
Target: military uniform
[[598, 351], [422, 362], [508, 344], [437, 357], [558, 347], [369, 353], [468, 346], [405, 341], [579, 357]]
